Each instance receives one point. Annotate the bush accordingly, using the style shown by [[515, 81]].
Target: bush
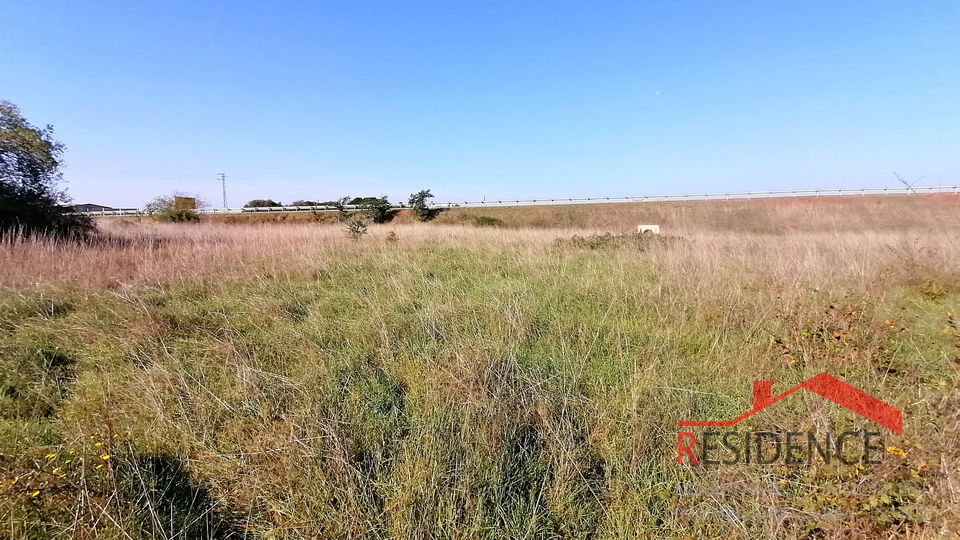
[[180, 215], [30, 160], [640, 242], [165, 208], [487, 221], [357, 227]]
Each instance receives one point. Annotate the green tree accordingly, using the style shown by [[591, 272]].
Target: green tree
[[164, 208], [30, 161], [418, 203], [378, 208], [262, 203], [341, 206]]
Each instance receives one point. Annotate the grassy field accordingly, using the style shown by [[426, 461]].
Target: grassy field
[[443, 380], [760, 216]]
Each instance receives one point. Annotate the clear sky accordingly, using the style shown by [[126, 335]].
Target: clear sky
[[318, 100]]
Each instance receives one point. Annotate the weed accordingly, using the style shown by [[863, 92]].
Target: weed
[[357, 227], [487, 221], [640, 242]]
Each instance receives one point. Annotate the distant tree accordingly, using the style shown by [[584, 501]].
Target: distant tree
[[378, 209], [30, 161], [165, 208], [262, 203], [359, 201], [419, 206], [341, 206], [301, 202]]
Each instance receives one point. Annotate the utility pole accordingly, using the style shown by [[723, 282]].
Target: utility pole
[[223, 180]]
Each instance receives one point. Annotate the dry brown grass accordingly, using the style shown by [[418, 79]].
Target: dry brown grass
[[468, 382], [149, 252], [759, 216], [938, 212], [146, 252]]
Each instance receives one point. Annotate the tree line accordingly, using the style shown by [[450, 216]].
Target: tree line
[[378, 208], [32, 201]]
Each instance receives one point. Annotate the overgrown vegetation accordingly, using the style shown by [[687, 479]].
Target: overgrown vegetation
[[357, 227], [487, 221], [176, 208], [378, 209], [31, 202], [775, 216], [640, 242], [419, 204], [286, 382]]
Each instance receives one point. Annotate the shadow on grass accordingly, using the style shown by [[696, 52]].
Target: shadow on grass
[[167, 503]]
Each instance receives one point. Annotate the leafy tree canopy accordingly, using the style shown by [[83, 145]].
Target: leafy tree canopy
[[30, 161], [262, 203], [418, 203], [378, 209], [359, 201]]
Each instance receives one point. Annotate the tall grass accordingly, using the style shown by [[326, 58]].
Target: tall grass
[[752, 216], [456, 382]]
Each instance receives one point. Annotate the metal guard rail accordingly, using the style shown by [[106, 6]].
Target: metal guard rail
[[584, 200]]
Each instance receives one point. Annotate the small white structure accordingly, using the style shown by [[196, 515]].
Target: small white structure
[[648, 229]]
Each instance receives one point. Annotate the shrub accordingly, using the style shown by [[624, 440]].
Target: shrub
[[487, 221], [165, 208], [357, 227], [640, 242]]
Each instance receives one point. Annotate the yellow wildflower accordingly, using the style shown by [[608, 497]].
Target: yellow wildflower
[[896, 451]]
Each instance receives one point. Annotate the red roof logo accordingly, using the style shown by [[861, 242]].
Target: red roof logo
[[824, 385]]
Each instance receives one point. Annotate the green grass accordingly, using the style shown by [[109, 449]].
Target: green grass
[[442, 390]]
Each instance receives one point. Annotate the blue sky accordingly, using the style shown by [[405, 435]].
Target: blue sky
[[318, 100]]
